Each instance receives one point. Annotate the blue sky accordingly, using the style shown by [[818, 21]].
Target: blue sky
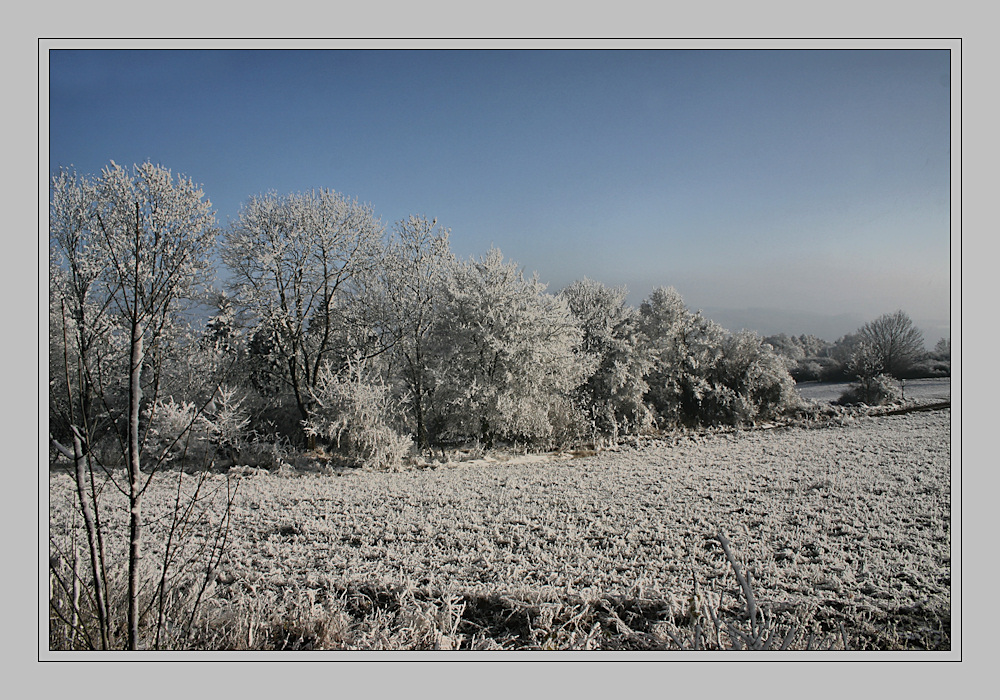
[[799, 191]]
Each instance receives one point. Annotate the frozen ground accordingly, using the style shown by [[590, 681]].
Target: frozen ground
[[850, 523], [921, 390]]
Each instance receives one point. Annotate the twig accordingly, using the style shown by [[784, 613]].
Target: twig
[[744, 584], [789, 638]]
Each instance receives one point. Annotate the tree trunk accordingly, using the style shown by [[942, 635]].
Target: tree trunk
[[135, 492], [88, 519], [419, 409], [93, 531], [308, 440]]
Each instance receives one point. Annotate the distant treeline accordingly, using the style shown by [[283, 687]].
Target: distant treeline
[[813, 359]]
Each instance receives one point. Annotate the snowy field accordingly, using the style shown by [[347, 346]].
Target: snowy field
[[920, 390], [847, 524]]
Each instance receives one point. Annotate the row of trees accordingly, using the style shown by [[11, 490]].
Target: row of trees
[[474, 349], [333, 330], [326, 315]]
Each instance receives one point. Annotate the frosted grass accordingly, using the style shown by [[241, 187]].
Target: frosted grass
[[851, 522]]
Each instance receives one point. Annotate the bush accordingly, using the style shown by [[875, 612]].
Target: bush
[[355, 411], [703, 375], [927, 369], [570, 424], [806, 371], [184, 433], [175, 433], [757, 377], [872, 391], [818, 369]]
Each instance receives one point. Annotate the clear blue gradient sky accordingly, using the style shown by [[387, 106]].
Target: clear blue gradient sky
[[803, 191]]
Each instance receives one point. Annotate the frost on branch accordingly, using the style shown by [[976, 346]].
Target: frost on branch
[[354, 410], [703, 375], [417, 260], [615, 390], [506, 356], [199, 436], [300, 265]]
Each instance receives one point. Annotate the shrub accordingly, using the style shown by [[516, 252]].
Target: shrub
[[570, 424], [818, 369], [927, 368], [185, 433], [226, 423], [354, 410], [806, 371], [757, 377], [175, 433], [873, 391]]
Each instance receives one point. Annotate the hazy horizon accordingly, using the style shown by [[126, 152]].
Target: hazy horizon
[[808, 187]]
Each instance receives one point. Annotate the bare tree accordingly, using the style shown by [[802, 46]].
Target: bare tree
[[893, 341]]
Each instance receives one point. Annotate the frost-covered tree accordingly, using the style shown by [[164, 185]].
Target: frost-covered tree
[[614, 392], [84, 355], [129, 246], [813, 346], [684, 349], [417, 261], [806, 356], [506, 355], [703, 375], [789, 347], [297, 263], [893, 341], [756, 380], [83, 345], [844, 348], [865, 362], [222, 331], [942, 349]]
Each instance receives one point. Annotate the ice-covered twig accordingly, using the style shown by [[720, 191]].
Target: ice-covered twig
[[744, 584]]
